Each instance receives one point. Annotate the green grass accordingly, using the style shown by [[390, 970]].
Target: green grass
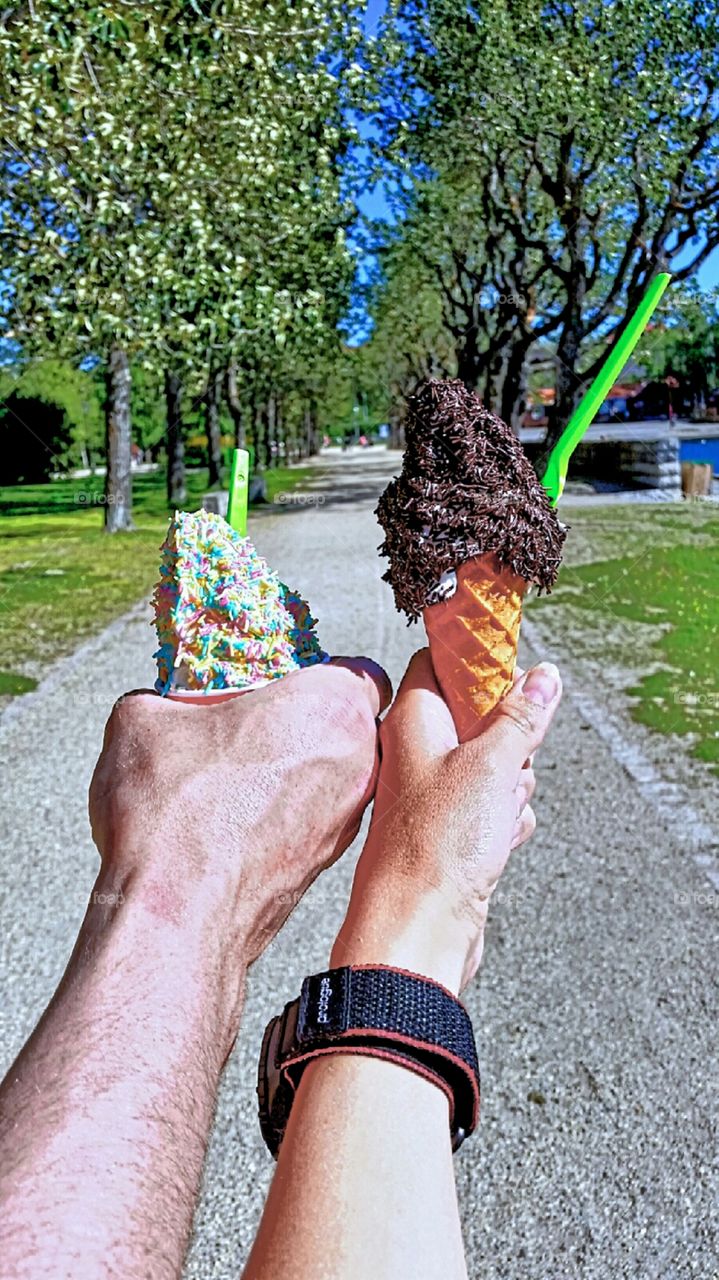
[[11, 683], [73, 497], [652, 574], [62, 578]]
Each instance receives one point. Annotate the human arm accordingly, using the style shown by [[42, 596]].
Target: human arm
[[365, 1171], [210, 821]]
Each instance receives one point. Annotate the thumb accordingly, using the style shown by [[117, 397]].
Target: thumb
[[419, 721], [522, 718]]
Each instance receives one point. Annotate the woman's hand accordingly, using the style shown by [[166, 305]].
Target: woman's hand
[[445, 820]]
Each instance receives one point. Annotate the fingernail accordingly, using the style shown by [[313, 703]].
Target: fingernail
[[541, 684]]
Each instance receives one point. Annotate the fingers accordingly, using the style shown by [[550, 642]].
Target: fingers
[[525, 827], [374, 678], [525, 788], [129, 711], [139, 693], [521, 719], [516, 677], [420, 720], [526, 821]]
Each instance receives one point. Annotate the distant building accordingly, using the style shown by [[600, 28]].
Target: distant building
[[657, 398]]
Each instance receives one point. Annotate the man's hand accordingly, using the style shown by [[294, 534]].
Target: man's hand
[[240, 803], [211, 821], [444, 822]]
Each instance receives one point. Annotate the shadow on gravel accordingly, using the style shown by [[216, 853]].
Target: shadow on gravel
[[362, 498], [361, 469], [354, 483]]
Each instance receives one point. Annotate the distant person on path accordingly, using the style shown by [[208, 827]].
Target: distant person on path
[[210, 824]]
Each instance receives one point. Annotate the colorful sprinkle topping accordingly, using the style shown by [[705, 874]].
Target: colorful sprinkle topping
[[224, 620]]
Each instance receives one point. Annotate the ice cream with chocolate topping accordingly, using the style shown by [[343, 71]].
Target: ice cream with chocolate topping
[[468, 528]]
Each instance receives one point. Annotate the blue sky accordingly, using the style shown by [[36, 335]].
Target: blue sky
[[374, 206], [375, 8]]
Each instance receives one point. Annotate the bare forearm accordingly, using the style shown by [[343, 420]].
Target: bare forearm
[[104, 1116], [365, 1178], [367, 1143]]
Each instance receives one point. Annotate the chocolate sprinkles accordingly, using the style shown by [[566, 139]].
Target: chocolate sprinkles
[[467, 488]]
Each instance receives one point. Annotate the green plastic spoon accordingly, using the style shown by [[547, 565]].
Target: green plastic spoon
[[555, 474], [239, 489]]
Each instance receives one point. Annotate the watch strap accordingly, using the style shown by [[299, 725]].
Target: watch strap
[[379, 1012]]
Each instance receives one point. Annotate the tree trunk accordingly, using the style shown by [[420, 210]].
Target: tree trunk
[[396, 432], [282, 455], [262, 435], [566, 396], [176, 480], [310, 428], [118, 442], [495, 378], [212, 427], [569, 387], [698, 391], [234, 404], [470, 361], [512, 387], [271, 430]]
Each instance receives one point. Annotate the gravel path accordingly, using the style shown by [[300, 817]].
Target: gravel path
[[596, 1010]]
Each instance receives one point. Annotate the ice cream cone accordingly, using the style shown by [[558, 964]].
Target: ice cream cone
[[473, 640], [468, 527]]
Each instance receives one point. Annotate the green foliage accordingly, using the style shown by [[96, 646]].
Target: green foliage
[[688, 346], [173, 180], [353, 396], [148, 407], [548, 159], [58, 382], [173, 192], [409, 340]]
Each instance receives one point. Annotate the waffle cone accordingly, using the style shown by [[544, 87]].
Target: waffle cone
[[473, 640]]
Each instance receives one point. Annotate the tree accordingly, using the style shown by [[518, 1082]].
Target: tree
[[175, 439], [409, 340], [560, 155], [76, 217], [688, 346], [275, 269], [172, 179]]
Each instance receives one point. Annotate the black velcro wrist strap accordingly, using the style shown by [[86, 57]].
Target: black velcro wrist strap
[[377, 1011]]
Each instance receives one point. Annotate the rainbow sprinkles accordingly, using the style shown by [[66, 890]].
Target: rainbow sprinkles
[[223, 618]]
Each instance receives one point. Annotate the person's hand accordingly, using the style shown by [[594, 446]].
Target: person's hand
[[237, 805], [445, 820]]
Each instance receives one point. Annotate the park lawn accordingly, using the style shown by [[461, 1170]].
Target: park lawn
[[639, 588], [62, 578]]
